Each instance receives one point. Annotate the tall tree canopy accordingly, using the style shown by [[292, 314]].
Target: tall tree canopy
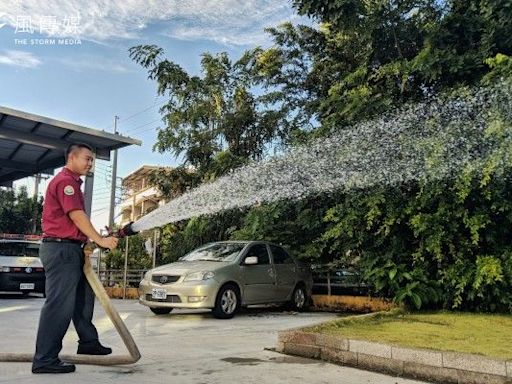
[[369, 56], [438, 244], [19, 212]]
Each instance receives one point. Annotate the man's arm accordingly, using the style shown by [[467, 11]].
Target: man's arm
[[81, 220]]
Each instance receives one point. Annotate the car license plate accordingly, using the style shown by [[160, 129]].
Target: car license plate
[[27, 286], [158, 293]]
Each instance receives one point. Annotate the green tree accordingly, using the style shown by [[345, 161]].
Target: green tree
[[295, 225], [368, 57], [214, 121], [18, 211]]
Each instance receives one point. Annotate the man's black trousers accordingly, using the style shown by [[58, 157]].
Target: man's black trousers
[[68, 297]]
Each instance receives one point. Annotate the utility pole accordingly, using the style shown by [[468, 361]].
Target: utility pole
[[38, 179], [113, 184], [36, 187], [36, 193]]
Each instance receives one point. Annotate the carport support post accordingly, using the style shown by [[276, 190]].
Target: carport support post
[[155, 239], [125, 266], [89, 184]]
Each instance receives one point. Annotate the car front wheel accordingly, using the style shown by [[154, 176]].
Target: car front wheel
[[299, 300], [227, 302], [161, 311]]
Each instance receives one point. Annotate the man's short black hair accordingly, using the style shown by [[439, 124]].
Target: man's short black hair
[[75, 146]]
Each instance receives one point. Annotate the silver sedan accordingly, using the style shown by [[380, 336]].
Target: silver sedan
[[225, 276]]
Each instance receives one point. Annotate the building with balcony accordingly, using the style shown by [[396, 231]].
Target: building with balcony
[[139, 197]]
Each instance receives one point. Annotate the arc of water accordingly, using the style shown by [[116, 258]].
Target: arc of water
[[424, 141]]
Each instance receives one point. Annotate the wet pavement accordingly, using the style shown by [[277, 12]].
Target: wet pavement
[[186, 346]]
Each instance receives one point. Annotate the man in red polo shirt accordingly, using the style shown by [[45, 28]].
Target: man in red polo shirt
[[66, 228]]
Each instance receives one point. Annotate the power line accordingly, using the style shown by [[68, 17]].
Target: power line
[[99, 209], [142, 125], [111, 125], [103, 167], [102, 173], [103, 206], [100, 185], [102, 188], [147, 130], [102, 195], [142, 111]]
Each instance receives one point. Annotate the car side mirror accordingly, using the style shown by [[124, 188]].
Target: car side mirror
[[251, 260]]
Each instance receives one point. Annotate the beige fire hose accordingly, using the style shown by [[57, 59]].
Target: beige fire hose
[[127, 338]]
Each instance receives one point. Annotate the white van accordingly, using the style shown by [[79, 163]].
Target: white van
[[21, 269]]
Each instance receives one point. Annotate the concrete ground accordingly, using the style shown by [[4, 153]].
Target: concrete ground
[[182, 347]]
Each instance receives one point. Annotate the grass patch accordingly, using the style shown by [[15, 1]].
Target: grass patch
[[484, 334]]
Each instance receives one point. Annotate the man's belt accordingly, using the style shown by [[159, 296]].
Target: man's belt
[[61, 240]]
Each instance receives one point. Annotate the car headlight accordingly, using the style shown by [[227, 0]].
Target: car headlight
[[198, 276]]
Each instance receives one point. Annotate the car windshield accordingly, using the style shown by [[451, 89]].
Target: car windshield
[[16, 249], [215, 252]]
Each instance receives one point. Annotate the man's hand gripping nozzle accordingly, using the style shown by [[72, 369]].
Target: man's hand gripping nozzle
[[123, 232]]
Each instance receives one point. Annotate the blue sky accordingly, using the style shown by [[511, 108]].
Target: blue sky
[[82, 72]]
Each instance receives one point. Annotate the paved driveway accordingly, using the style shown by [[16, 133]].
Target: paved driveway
[[182, 347]]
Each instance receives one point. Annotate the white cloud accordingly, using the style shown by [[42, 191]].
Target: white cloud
[[224, 21], [231, 22], [95, 63], [2, 15], [20, 59]]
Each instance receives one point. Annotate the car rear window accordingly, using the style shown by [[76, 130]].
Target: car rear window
[[280, 255], [19, 249]]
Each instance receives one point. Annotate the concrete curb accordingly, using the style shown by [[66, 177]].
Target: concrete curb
[[118, 292], [424, 364], [352, 304]]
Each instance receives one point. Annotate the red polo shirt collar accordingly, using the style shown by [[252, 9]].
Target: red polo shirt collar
[[74, 175]]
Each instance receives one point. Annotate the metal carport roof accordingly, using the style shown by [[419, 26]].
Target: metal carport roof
[[31, 144]]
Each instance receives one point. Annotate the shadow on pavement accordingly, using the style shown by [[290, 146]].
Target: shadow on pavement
[[20, 295]]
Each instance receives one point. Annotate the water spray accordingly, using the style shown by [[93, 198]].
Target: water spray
[[424, 141]]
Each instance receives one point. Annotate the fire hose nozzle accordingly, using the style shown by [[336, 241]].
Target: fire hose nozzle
[[127, 230], [121, 233]]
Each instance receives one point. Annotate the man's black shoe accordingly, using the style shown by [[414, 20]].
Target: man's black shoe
[[59, 367], [93, 349]]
